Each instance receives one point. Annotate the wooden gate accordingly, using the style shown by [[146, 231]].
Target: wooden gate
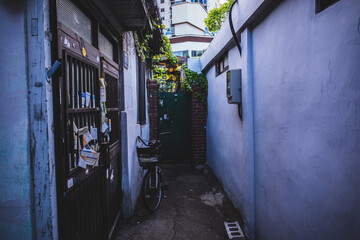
[[89, 197], [174, 117]]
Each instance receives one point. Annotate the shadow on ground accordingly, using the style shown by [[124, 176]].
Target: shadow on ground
[[195, 207]]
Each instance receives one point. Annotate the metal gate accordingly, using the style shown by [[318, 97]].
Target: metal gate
[[174, 117]]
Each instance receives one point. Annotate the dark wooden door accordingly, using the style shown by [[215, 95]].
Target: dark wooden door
[[173, 116], [82, 191], [113, 171]]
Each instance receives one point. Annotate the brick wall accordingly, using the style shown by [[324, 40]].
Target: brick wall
[[152, 89], [198, 127]]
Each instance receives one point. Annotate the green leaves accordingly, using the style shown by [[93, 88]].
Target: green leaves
[[152, 44], [217, 16]]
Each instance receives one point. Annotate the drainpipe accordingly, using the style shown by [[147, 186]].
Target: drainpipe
[[250, 81]]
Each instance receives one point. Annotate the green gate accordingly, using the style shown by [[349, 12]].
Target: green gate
[[174, 117]]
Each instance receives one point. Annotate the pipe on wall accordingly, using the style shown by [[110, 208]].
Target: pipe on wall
[[250, 83]]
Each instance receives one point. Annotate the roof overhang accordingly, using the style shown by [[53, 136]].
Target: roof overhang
[[133, 15]]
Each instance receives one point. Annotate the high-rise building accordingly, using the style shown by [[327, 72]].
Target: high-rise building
[[184, 21]]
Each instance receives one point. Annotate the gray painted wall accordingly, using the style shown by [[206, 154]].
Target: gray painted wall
[[306, 121], [15, 200]]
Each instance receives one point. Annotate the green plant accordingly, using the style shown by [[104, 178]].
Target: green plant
[[217, 16], [194, 78], [153, 46]]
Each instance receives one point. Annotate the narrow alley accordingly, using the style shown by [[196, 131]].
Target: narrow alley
[[195, 207]]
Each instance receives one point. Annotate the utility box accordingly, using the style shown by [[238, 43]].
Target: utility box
[[233, 86]]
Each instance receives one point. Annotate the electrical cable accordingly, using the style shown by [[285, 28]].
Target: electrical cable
[[238, 46], [232, 28]]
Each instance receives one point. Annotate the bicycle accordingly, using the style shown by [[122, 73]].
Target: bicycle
[[149, 159]]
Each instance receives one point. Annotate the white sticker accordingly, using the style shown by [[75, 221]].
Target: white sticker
[[67, 43], [70, 183]]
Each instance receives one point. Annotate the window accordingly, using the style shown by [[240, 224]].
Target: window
[[163, 10], [141, 92], [72, 17], [195, 53], [222, 64], [162, 1], [323, 4], [106, 46], [181, 53], [162, 18]]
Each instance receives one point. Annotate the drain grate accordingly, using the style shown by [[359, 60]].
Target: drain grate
[[233, 230]]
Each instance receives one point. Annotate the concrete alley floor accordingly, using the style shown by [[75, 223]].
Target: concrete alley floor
[[195, 207]]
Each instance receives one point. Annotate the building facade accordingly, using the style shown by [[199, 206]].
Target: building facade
[[75, 102], [291, 163]]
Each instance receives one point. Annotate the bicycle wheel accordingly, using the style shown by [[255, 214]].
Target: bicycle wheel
[[151, 189]]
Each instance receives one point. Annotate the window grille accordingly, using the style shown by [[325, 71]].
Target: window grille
[[81, 79]]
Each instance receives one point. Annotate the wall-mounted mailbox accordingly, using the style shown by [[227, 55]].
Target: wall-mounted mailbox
[[233, 86]]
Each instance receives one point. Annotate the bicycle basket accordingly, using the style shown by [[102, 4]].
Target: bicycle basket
[[147, 155]]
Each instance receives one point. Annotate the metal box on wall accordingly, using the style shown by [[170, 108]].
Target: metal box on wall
[[233, 86]]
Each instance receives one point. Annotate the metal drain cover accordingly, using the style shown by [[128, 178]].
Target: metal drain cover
[[233, 230]]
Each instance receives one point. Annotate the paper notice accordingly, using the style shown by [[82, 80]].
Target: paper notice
[[75, 129], [87, 138], [90, 157], [104, 127], [87, 98], [102, 94], [83, 130], [81, 163], [93, 131], [83, 99]]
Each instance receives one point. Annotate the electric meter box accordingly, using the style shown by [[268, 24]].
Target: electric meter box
[[233, 86]]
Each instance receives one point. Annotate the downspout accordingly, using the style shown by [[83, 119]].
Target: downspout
[[250, 79]]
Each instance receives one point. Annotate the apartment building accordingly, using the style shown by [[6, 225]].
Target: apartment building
[[184, 21]]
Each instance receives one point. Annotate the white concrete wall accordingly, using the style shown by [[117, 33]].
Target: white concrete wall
[[132, 172], [187, 29], [306, 121], [193, 13], [198, 46]]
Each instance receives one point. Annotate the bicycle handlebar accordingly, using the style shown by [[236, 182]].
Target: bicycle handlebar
[[149, 144]]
